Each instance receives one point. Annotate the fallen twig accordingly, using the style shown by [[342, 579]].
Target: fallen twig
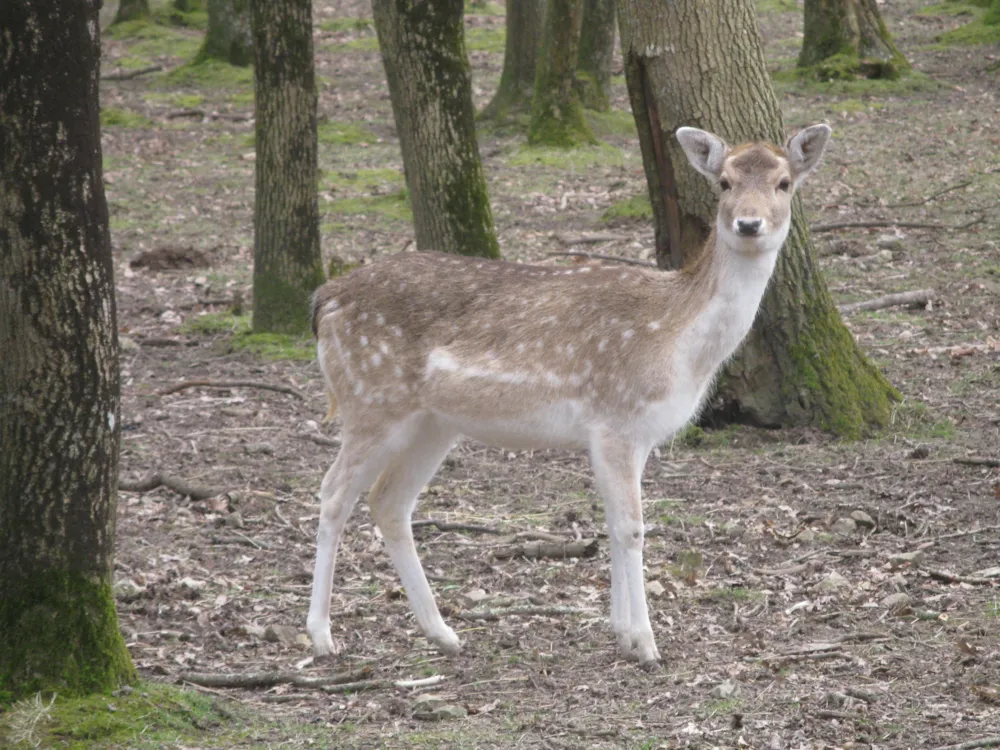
[[357, 687], [885, 224], [916, 297], [613, 258], [270, 679], [973, 744], [185, 113], [156, 479], [447, 526], [931, 197], [241, 539], [968, 532], [127, 75], [320, 440], [948, 577], [585, 548], [526, 610], [842, 715], [591, 238], [234, 384], [991, 462]]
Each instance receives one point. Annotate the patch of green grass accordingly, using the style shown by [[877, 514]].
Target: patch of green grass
[[242, 338], [338, 25], [636, 208], [955, 8], [777, 6], [394, 205], [183, 101], [123, 118], [147, 38], [363, 180], [615, 122], [788, 79], [581, 157], [984, 30], [210, 74], [362, 44], [484, 8], [723, 706], [913, 419], [151, 715], [343, 133], [486, 39], [214, 324]]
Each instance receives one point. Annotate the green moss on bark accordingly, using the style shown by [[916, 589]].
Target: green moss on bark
[[844, 41], [60, 634], [281, 306]]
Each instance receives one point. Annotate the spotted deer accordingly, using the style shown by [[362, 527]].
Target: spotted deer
[[420, 348]]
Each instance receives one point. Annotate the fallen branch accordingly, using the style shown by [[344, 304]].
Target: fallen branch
[[357, 687], [886, 224], [842, 715], [526, 610], [320, 440], [242, 540], [612, 258], [127, 75], [917, 297], [591, 238], [948, 577], [536, 550], [968, 532], [972, 744], [931, 197], [446, 526], [185, 113], [270, 679], [233, 384], [990, 462], [156, 479]]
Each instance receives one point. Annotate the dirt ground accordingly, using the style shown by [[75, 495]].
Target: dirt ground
[[805, 592]]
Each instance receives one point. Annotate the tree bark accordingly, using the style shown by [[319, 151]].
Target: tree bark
[[227, 37], [597, 47], [423, 52], [130, 10], [556, 113], [847, 39], [59, 381], [288, 265], [517, 81], [701, 63]]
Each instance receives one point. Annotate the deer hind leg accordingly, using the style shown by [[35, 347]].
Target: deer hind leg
[[617, 470], [356, 467], [392, 501]]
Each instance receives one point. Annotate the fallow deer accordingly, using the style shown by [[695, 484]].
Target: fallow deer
[[422, 348]]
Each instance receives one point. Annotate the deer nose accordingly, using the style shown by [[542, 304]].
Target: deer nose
[[749, 227]]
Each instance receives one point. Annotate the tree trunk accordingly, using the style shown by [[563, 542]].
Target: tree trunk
[[517, 82], [423, 51], [701, 63], [288, 265], [847, 39], [597, 47], [130, 10], [556, 113], [59, 382], [228, 35]]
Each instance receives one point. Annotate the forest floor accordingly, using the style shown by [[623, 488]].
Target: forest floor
[[805, 592]]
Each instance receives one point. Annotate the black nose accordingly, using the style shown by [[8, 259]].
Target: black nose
[[748, 227]]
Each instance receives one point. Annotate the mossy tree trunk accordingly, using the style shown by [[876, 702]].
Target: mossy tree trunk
[[423, 52], [287, 264], [847, 39], [130, 10], [556, 113], [59, 381], [227, 37], [517, 81], [701, 63], [597, 47]]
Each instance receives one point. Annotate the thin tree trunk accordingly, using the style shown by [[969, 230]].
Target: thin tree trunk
[[597, 47], [59, 381], [228, 35], [556, 113], [701, 63], [517, 81], [130, 10], [287, 265], [845, 39], [423, 51]]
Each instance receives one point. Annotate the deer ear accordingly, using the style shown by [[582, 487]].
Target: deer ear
[[705, 151], [805, 149]]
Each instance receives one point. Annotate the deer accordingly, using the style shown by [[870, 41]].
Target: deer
[[420, 349]]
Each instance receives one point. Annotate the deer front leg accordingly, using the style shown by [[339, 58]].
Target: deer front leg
[[617, 469]]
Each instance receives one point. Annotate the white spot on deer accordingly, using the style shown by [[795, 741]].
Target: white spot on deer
[[439, 359], [520, 348], [569, 350], [586, 269], [383, 347], [359, 387], [602, 345], [399, 371], [364, 317], [376, 359], [654, 326], [397, 331], [552, 379], [628, 333], [380, 319], [364, 366], [364, 341]]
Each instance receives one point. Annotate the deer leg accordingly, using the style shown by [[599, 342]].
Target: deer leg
[[617, 470], [392, 501], [352, 473]]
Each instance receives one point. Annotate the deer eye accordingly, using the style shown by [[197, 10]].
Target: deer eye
[[784, 185], [724, 184]]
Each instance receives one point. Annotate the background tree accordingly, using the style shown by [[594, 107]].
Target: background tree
[[597, 47], [288, 265], [423, 52], [227, 37], [556, 113], [684, 66], [845, 39], [59, 382], [517, 81], [129, 10]]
